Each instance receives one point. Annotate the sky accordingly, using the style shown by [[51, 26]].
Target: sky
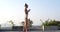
[[40, 9]]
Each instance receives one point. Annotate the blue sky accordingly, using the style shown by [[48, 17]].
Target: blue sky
[[40, 9]]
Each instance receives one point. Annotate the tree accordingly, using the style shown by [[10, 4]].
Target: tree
[[30, 22], [51, 23], [22, 22], [0, 25], [11, 22]]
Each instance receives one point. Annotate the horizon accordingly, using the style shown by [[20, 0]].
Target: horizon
[[40, 9]]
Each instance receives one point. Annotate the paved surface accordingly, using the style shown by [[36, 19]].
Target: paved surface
[[32, 31]]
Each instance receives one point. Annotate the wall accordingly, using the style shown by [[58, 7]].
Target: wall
[[50, 27]]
